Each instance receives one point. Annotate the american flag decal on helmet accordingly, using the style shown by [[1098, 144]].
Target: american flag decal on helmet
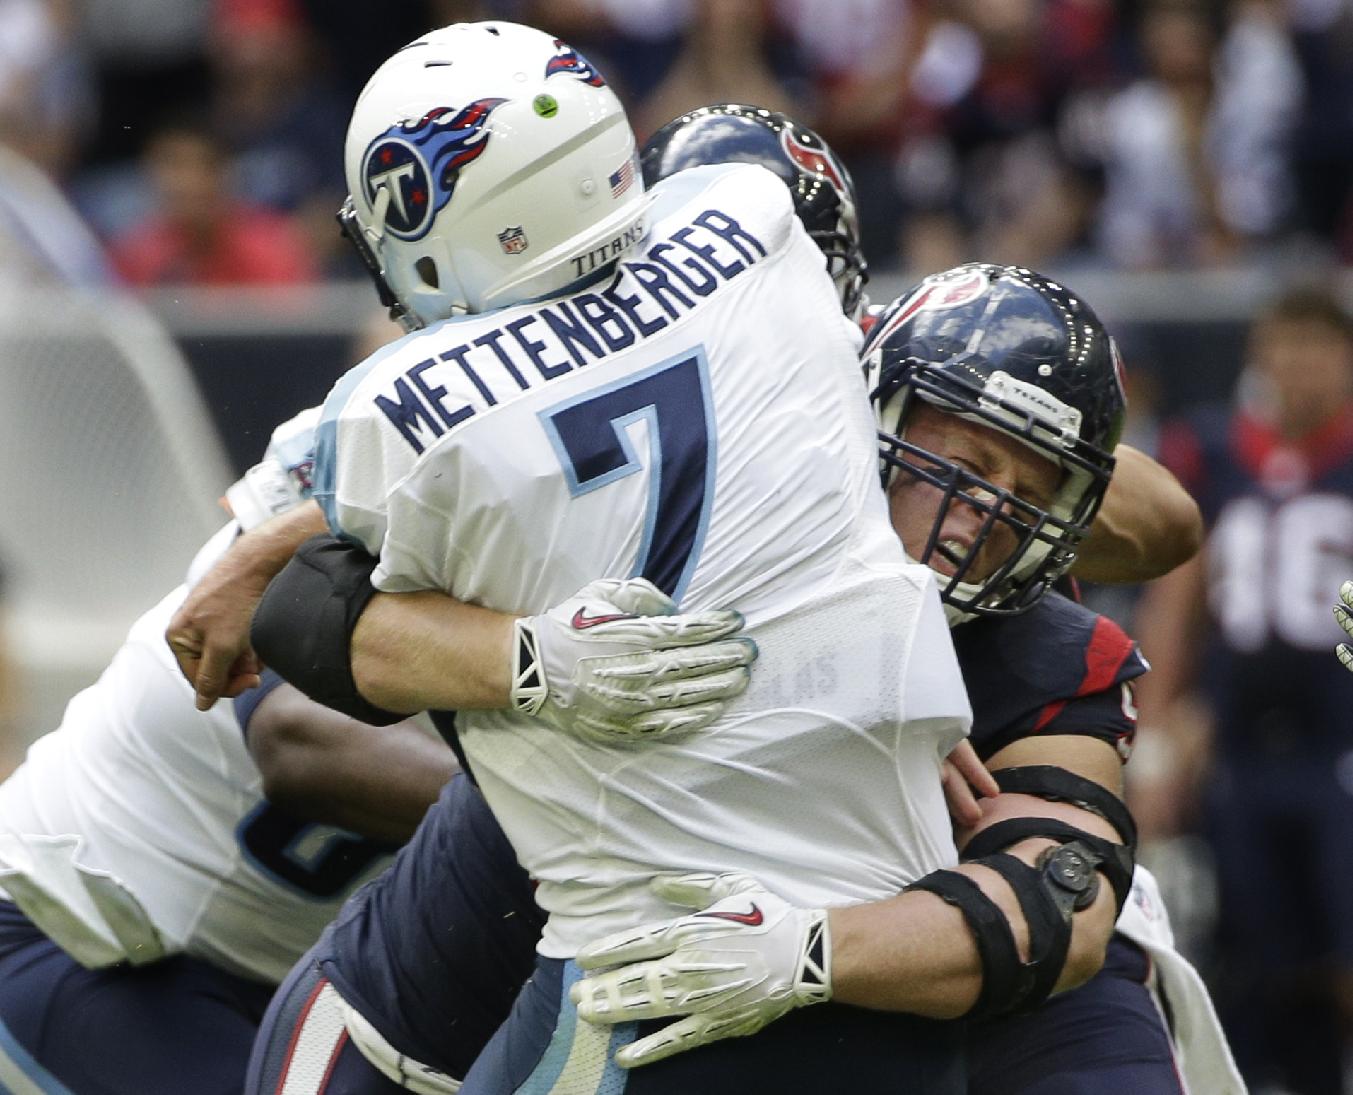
[[622, 177]]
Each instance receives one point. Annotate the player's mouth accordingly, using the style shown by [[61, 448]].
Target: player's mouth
[[949, 554]]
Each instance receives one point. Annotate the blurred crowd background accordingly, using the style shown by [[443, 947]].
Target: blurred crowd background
[[1138, 134], [172, 285]]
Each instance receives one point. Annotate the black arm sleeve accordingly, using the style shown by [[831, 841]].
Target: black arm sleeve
[[303, 626]]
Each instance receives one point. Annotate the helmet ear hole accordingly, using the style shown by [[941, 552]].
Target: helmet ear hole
[[426, 268]]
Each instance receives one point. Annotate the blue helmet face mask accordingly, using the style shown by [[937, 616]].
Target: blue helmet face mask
[[820, 185], [1018, 353]]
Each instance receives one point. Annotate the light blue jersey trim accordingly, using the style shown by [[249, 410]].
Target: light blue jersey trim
[[326, 433], [546, 1074], [20, 1074]]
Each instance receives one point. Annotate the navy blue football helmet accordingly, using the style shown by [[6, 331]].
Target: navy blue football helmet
[[824, 195], [1020, 353]]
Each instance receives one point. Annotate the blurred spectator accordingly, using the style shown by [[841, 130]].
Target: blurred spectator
[[983, 167], [279, 116], [1197, 152], [860, 60], [1323, 35], [200, 234], [724, 58], [46, 85], [147, 53], [633, 42], [1240, 640], [356, 36]]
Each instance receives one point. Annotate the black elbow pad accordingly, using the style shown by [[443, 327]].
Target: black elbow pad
[[303, 626]]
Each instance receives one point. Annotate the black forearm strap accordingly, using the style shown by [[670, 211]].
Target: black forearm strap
[[303, 626], [1054, 784], [1114, 861], [1049, 927], [1003, 975]]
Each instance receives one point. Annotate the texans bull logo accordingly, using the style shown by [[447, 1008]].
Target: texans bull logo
[[815, 160], [936, 293], [419, 163]]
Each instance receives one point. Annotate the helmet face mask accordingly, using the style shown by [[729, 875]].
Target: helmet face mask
[[821, 187], [487, 164], [1013, 352], [352, 231]]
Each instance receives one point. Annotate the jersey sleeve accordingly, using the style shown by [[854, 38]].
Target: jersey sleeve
[[1059, 669], [1102, 706], [357, 462]]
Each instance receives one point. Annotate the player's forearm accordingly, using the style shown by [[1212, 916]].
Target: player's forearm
[[1171, 618], [1147, 525], [404, 642], [915, 953], [260, 554], [324, 766], [377, 781]]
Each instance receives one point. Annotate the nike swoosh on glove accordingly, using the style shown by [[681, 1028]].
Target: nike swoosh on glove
[[617, 662], [741, 962]]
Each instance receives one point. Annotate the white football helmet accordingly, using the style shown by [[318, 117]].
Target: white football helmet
[[487, 163]]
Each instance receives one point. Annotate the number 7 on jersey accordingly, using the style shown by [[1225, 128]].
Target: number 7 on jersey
[[591, 435]]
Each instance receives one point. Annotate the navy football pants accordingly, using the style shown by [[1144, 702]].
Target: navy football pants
[[180, 1025], [1105, 1038]]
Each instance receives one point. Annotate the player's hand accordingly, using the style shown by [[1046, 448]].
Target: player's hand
[[209, 634], [1343, 612], [965, 779], [618, 663], [741, 962]]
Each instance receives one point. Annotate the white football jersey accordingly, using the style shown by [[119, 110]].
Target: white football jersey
[[138, 785], [698, 417]]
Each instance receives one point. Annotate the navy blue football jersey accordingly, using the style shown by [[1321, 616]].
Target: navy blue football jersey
[[434, 951], [1057, 669], [1280, 542]]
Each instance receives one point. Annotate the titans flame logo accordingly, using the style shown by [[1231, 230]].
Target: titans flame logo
[[419, 163], [567, 59]]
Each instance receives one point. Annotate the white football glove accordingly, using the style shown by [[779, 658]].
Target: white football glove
[[738, 964], [1344, 614], [616, 662]]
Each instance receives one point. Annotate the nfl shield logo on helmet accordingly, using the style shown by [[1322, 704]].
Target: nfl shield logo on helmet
[[513, 240]]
